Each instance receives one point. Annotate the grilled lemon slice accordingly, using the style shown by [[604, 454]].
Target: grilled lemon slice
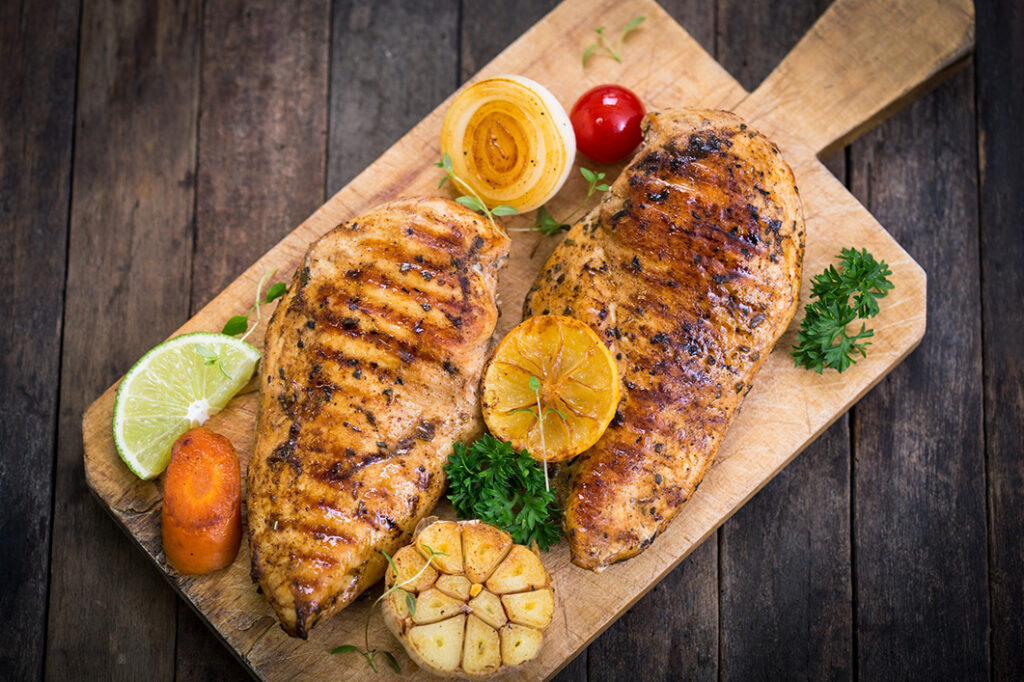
[[551, 387]]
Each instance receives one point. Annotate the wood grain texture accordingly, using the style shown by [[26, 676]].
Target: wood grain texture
[[1001, 147], [786, 611], [485, 29], [38, 48], [261, 160], [919, 517], [786, 586], [130, 245], [900, 49], [687, 599], [384, 77], [794, 405]]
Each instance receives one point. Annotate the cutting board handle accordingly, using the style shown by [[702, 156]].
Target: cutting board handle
[[860, 62]]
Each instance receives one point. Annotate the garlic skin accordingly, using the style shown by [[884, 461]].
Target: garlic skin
[[510, 140]]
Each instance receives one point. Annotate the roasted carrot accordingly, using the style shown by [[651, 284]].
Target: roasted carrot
[[201, 516]]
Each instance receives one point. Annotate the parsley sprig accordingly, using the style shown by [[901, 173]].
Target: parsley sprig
[[602, 44], [493, 482], [547, 224], [410, 603], [472, 201], [844, 295]]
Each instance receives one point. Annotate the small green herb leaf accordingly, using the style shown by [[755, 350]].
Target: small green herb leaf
[[345, 649], [206, 352], [275, 292], [236, 325], [393, 661], [558, 412], [588, 174], [534, 383], [410, 603], [471, 202], [503, 210], [547, 225], [630, 27]]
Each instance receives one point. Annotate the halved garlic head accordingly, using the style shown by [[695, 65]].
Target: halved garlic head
[[510, 140], [482, 611]]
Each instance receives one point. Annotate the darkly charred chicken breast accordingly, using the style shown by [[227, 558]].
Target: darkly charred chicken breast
[[690, 271], [369, 375]]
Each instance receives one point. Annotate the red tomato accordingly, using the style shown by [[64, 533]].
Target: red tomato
[[606, 120]]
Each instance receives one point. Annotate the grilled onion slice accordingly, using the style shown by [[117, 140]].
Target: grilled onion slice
[[510, 140]]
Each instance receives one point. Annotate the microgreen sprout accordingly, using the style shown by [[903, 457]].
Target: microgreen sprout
[[548, 226], [535, 387], [602, 44]]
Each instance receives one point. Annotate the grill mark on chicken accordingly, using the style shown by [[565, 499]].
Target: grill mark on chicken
[[363, 392], [689, 270]]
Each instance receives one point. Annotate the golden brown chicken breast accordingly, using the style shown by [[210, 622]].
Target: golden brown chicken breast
[[689, 270], [369, 375]]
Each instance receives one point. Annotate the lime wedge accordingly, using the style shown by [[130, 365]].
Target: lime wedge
[[177, 385]]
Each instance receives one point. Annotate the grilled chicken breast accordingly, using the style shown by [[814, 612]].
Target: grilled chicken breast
[[369, 375], [689, 270]]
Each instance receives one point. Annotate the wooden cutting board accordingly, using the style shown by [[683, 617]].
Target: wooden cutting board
[[859, 62]]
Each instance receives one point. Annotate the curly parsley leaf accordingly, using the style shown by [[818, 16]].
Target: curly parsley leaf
[[493, 482], [843, 295]]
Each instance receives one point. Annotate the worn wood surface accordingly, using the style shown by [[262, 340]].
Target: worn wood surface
[[261, 170], [746, 460], [1001, 216], [38, 46], [128, 262], [937, 487], [94, 628]]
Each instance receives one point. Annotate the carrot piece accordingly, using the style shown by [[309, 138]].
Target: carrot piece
[[202, 510]]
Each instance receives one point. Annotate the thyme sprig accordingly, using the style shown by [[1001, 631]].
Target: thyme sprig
[[410, 603], [602, 44], [843, 296], [472, 201]]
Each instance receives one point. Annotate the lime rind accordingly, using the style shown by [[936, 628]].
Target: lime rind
[[170, 389]]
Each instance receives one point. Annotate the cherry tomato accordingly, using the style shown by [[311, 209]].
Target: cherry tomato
[[606, 120]]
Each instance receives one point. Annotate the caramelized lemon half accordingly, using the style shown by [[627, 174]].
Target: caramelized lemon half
[[551, 387]]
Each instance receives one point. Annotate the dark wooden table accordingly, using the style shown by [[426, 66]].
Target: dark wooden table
[[150, 151]]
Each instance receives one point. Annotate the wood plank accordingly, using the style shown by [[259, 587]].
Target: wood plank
[[38, 48], [899, 50], [919, 472], [385, 76], [130, 244], [485, 29], [685, 603], [1000, 148], [793, 405], [786, 584], [786, 593], [262, 146]]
